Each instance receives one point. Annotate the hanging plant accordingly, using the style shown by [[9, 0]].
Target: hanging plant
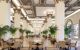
[[52, 30], [13, 30]]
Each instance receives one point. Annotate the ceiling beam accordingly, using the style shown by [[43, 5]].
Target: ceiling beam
[[72, 5], [56, 1], [33, 8], [28, 7], [45, 5]]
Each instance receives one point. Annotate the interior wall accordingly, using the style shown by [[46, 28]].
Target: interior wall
[[75, 18]]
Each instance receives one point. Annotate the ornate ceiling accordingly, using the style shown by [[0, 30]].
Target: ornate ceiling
[[36, 9], [32, 7]]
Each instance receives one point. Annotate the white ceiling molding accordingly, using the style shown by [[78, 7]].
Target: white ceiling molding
[[73, 13], [16, 2], [12, 10], [23, 12]]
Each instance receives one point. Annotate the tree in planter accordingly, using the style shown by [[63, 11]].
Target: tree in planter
[[52, 30]]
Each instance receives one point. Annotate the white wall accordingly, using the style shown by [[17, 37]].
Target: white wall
[[75, 19]]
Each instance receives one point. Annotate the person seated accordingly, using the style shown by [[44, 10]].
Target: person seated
[[37, 47], [66, 47], [12, 48]]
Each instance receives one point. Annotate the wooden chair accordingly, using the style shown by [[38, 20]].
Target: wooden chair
[[61, 44]]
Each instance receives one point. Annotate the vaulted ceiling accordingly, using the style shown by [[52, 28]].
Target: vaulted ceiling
[[36, 9], [32, 7]]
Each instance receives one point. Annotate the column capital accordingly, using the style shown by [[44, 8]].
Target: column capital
[[5, 1], [56, 1]]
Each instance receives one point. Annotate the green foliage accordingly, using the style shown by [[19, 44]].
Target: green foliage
[[1, 32], [52, 29], [45, 32], [68, 30], [21, 30], [13, 30], [4, 30], [28, 31], [53, 17]]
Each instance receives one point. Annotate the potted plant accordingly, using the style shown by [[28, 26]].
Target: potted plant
[[1, 32], [21, 31], [4, 30], [45, 32], [52, 30], [13, 30], [28, 32], [68, 30]]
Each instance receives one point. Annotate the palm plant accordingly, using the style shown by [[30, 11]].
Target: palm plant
[[28, 32], [6, 27], [68, 30], [4, 30], [21, 31], [1, 32], [45, 32], [52, 30], [13, 30]]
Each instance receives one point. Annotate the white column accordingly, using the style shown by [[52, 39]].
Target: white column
[[79, 29], [5, 16], [59, 16], [4, 13], [17, 23]]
